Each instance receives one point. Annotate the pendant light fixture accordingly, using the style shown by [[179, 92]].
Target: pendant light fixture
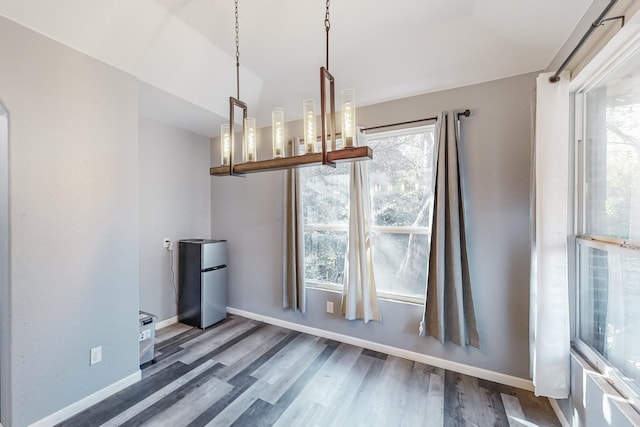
[[329, 155], [227, 131], [327, 118]]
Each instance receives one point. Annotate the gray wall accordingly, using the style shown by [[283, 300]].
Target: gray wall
[[174, 202], [496, 151], [73, 223], [4, 260]]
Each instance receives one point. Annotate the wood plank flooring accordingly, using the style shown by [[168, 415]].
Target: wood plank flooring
[[245, 373]]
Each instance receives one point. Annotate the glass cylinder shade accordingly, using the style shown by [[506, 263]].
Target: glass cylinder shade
[[310, 130], [225, 143], [250, 140], [348, 117], [277, 127]]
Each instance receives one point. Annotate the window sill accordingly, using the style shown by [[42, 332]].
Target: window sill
[[403, 299], [619, 392]]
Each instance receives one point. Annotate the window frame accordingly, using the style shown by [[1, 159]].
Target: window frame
[[408, 230], [589, 79], [610, 373]]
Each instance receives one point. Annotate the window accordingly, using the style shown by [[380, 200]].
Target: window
[[608, 243], [401, 200]]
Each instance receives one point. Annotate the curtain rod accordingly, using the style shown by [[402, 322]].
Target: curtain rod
[[465, 113], [597, 23]]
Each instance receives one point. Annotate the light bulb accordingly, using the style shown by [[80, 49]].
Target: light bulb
[[348, 125], [348, 117], [279, 137], [250, 139], [309, 114], [311, 132], [277, 124], [251, 145], [225, 143]]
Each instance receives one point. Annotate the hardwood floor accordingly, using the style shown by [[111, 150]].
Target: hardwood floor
[[245, 373]]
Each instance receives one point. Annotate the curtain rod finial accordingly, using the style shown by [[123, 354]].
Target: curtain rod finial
[[465, 113]]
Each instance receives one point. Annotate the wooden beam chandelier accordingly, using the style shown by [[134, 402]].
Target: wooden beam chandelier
[[329, 154]]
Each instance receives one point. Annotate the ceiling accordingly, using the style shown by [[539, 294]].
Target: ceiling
[[183, 51]]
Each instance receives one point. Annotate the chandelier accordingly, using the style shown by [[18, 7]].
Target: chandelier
[[329, 153]]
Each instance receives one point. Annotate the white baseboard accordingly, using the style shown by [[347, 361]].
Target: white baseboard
[[556, 408], [485, 374], [86, 402], [167, 322]]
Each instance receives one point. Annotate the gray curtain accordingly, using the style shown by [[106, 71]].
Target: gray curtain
[[293, 288], [359, 298], [449, 313]]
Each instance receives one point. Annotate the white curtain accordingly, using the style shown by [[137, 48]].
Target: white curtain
[[449, 313], [549, 300], [359, 298], [293, 286]]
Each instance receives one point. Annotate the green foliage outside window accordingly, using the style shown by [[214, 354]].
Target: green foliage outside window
[[401, 198]]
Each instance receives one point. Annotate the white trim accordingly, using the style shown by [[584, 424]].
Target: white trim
[[556, 408], [325, 286], [624, 45], [400, 130], [400, 229], [620, 47], [326, 227], [381, 229], [623, 404], [592, 361], [337, 288], [88, 401], [166, 322], [485, 374]]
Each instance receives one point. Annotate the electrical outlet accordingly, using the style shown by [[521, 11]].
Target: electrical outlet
[[166, 243], [329, 306], [96, 355]]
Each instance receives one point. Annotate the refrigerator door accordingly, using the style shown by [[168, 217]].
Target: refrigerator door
[[214, 296], [214, 254]]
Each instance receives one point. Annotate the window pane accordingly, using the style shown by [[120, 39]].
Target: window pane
[[401, 178], [400, 263], [325, 194], [610, 307], [612, 148], [401, 193], [324, 255]]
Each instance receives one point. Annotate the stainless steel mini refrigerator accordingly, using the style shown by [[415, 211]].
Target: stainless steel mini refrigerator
[[202, 281]]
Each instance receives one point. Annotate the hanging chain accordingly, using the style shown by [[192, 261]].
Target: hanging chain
[[327, 27], [237, 52]]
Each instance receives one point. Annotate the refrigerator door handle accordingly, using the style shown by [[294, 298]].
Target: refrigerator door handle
[[217, 267]]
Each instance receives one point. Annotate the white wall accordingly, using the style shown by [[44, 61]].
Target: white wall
[[73, 174], [496, 150], [174, 202]]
